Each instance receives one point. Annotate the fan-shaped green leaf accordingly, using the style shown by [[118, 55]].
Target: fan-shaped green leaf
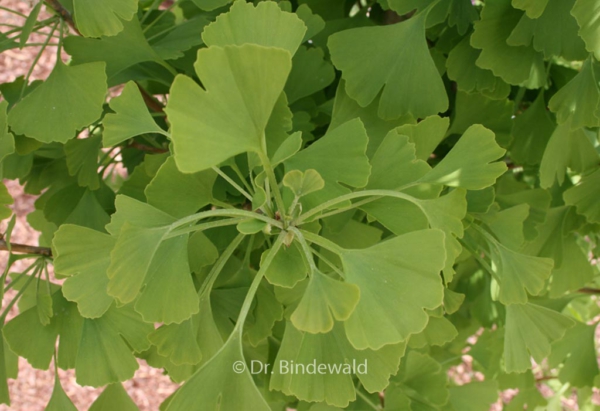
[[7, 140], [576, 102], [84, 255], [264, 24], [324, 299], [131, 117], [587, 13], [82, 160], [584, 197], [114, 397], [58, 115], [103, 19], [5, 200], [530, 329], [578, 351], [246, 80], [554, 32], [479, 146], [403, 68], [59, 401], [533, 8], [532, 130], [333, 353], [310, 73], [515, 65], [389, 275]]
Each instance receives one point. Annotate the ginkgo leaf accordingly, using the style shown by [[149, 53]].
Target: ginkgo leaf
[[530, 329], [333, 350], [345, 108], [7, 140], [533, 8], [264, 24], [131, 117], [426, 135], [310, 73], [177, 342], [314, 23], [532, 130], [287, 267], [554, 32], [389, 275], [114, 397], [305, 183], [462, 68], [576, 102], [394, 164], [475, 108], [103, 19], [59, 401], [586, 13], [420, 384], [574, 272], [169, 295], [516, 65], [474, 396], [439, 331], [517, 273], [578, 351], [127, 48], [82, 160], [339, 157], [584, 197], [84, 255], [246, 80], [104, 355], [60, 116], [177, 193], [566, 148], [324, 299], [507, 224], [479, 146], [216, 385], [181, 38], [209, 5], [402, 67], [267, 312]]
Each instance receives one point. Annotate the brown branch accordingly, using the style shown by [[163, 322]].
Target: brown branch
[[545, 378], [25, 249], [152, 103], [63, 13], [589, 290]]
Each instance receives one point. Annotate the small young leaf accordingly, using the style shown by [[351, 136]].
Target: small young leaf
[[305, 183]]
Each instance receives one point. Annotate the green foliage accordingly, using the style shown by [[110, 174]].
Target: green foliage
[[309, 205]]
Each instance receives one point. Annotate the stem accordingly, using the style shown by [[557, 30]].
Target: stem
[[237, 171], [256, 282], [323, 242], [60, 40], [35, 61], [367, 400], [206, 226], [26, 249], [351, 196], [224, 213], [13, 12], [232, 182], [329, 263], [153, 6], [218, 267], [156, 20], [62, 12], [19, 294], [273, 182], [306, 250]]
